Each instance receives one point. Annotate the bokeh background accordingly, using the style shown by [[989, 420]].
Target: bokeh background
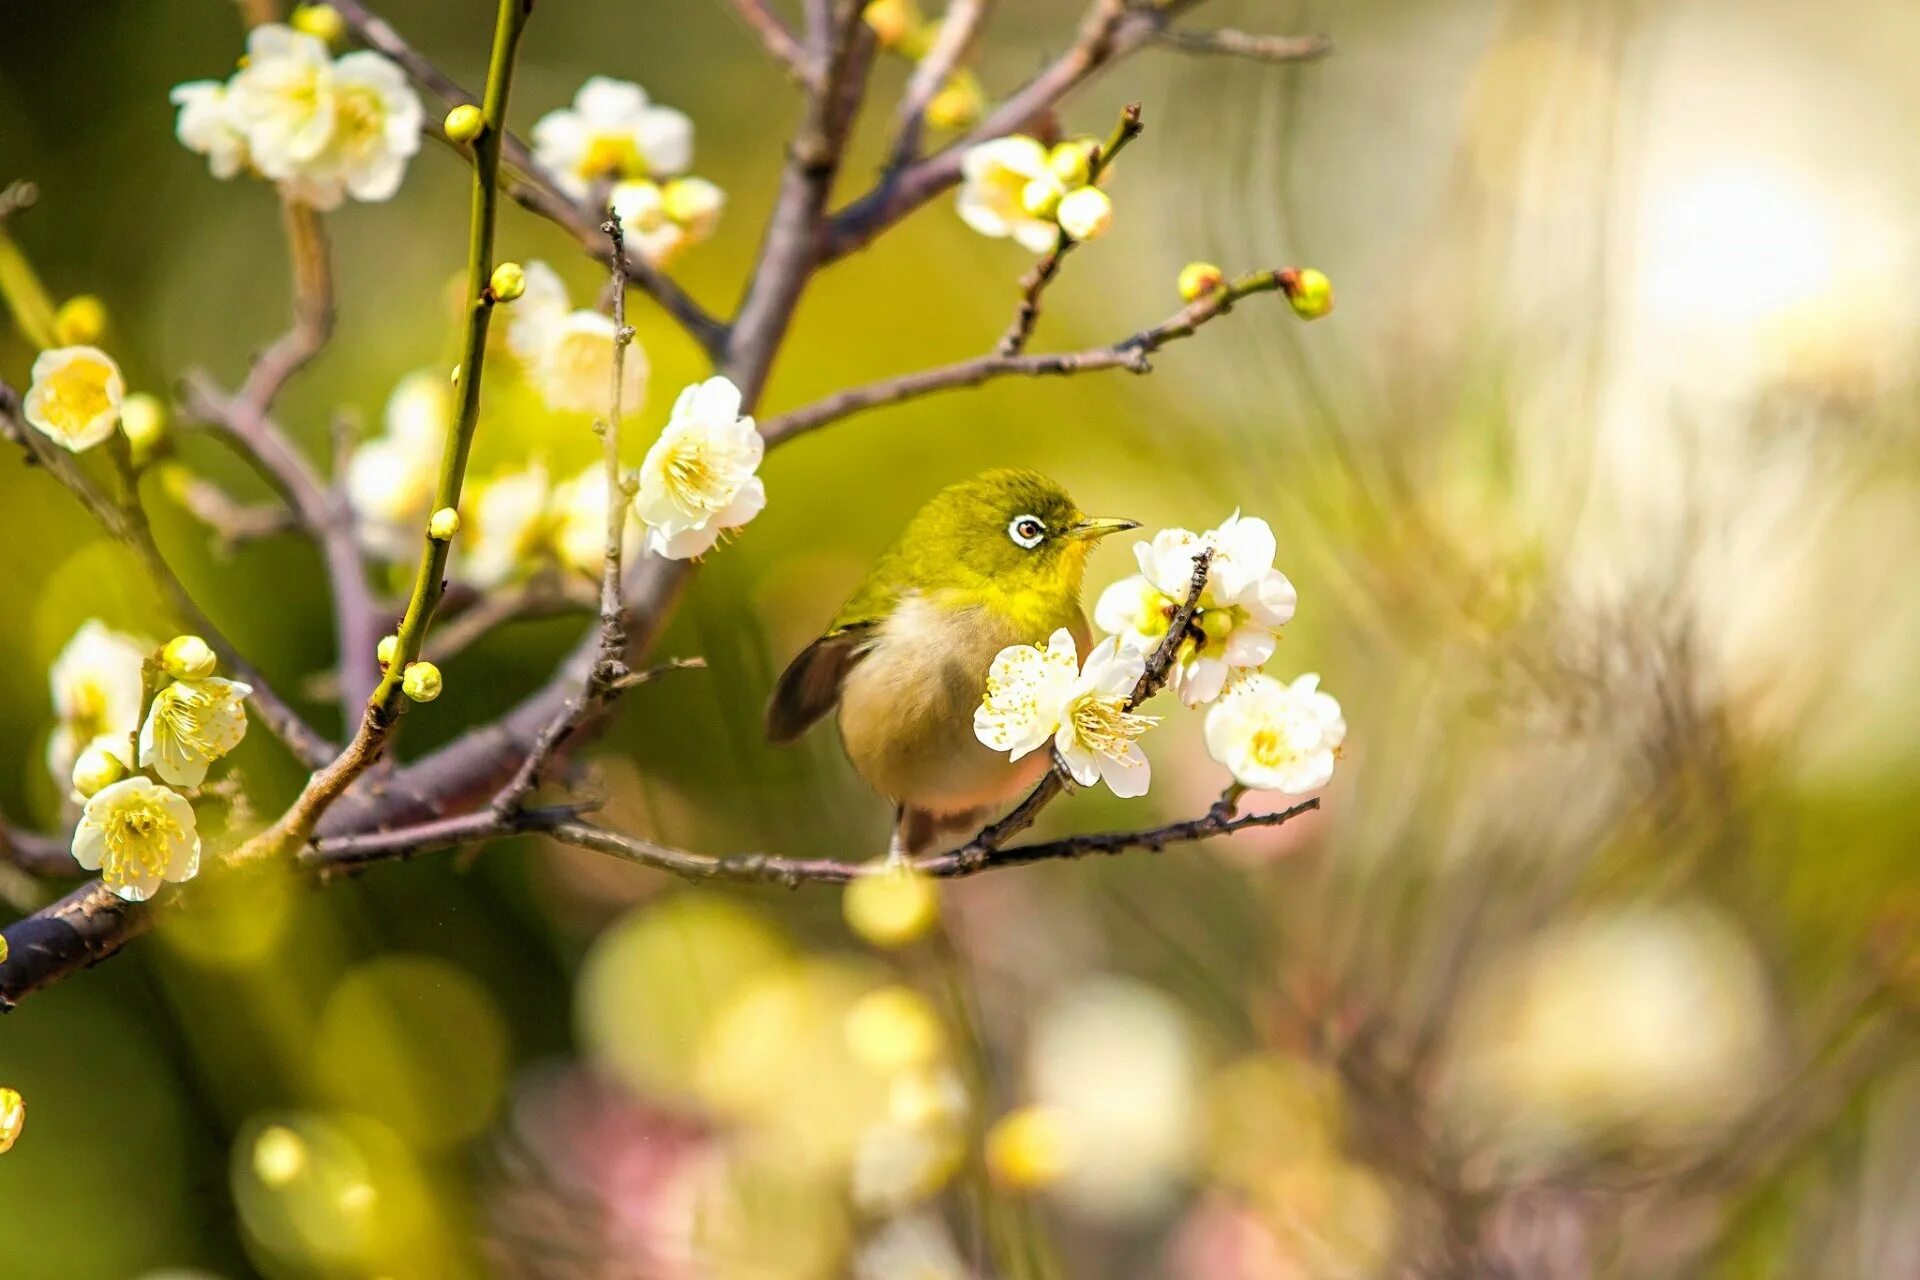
[[1599, 490]]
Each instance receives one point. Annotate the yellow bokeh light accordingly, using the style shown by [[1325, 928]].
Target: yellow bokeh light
[[894, 1028]]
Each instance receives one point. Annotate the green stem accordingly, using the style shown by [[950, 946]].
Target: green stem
[[430, 581], [26, 296]]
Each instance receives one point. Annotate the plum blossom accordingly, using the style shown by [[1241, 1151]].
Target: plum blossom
[[390, 478], [661, 220], [96, 695], [1244, 602], [322, 128], [136, 834], [1034, 694], [1275, 736], [74, 396], [191, 724], [611, 133], [568, 354], [697, 480], [995, 177]]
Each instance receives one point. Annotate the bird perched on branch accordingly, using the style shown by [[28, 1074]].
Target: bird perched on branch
[[990, 562]]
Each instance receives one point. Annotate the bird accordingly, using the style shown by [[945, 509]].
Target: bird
[[987, 563]]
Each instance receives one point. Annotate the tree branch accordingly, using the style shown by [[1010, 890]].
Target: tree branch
[[1246, 44], [1130, 354], [775, 36], [958, 31]]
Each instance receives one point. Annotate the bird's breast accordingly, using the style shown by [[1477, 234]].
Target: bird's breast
[[906, 709]]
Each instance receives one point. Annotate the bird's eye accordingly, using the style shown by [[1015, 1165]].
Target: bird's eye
[[1027, 531]]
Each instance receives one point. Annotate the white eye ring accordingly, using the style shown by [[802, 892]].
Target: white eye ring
[[1027, 531]]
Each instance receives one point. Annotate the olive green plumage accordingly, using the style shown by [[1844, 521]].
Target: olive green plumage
[[989, 562]]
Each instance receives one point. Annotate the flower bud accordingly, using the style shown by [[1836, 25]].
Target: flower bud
[[444, 524], [388, 650], [1041, 196], [892, 906], [959, 103], [421, 681], [1199, 279], [508, 282], [13, 1116], [188, 658], [3, 948], [1028, 1149], [144, 419], [893, 21], [464, 123], [1085, 213], [80, 321], [1072, 161], [96, 769], [321, 21], [1309, 292]]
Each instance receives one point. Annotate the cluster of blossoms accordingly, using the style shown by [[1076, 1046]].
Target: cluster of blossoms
[[616, 145], [1017, 186], [1270, 734], [567, 352], [138, 830], [324, 128]]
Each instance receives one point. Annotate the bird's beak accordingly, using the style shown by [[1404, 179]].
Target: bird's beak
[[1099, 527]]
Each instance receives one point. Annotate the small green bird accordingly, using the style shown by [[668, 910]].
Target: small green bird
[[990, 562]]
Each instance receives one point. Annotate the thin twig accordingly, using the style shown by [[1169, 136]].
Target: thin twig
[[527, 181], [349, 853], [607, 677], [958, 31], [232, 522], [1246, 44], [1131, 354], [313, 309], [1035, 282], [776, 37]]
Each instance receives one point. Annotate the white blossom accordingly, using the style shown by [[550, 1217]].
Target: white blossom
[[510, 530], [377, 118], [97, 689], [568, 354], [611, 133], [74, 396], [579, 508], [698, 479], [660, 221], [1034, 694], [323, 129], [193, 723], [1244, 602], [1274, 736], [995, 175], [136, 833], [391, 478], [282, 99], [205, 126]]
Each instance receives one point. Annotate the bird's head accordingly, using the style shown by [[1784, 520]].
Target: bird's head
[[1014, 531]]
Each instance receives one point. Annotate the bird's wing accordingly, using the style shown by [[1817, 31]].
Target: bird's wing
[[810, 685]]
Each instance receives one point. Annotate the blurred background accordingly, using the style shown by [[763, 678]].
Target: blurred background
[[1600, 493]]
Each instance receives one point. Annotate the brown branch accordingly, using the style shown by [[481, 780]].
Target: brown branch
[[1131, 354], [1246, 44], [232, 522], [527, 181], [958, 31], [313, 309], [352, 853], [1035, 282], [790, 251], [776, 37], [36, 853]]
